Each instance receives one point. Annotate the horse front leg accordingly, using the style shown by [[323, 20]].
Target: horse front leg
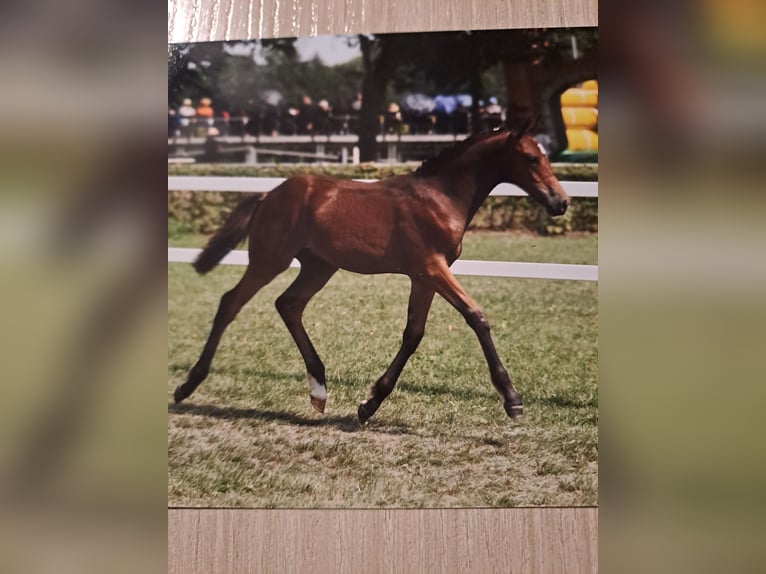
[[421, 296], [444, 282]]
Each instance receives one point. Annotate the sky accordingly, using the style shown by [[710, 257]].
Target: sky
[[331, 49]]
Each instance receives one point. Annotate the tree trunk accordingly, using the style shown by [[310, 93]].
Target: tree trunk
[[517, 84], [477, 93], [373, 88]]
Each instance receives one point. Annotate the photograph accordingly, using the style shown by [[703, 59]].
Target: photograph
[[383, 271]]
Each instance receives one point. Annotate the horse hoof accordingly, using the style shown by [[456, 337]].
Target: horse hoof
[[362, 412], [318, 404], [179, 394], [516, 412]]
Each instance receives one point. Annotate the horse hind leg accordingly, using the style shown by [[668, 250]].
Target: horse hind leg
[[314, 274], [231, 303]]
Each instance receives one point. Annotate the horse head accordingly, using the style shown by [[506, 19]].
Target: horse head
[[527, 166]]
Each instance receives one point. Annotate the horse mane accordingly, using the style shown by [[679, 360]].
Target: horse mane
[[436, 164], [520, 120]]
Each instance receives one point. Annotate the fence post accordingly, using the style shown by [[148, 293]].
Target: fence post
[[252, 156], [392, 151]]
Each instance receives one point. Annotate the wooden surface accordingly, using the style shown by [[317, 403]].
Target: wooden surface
[[210, 541], [198, 20], [481, 541]]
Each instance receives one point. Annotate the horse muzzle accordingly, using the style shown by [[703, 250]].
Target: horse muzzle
[[555, 204]]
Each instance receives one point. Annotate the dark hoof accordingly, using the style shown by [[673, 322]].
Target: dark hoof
[[516, 412], [364, 413], [179, 394]]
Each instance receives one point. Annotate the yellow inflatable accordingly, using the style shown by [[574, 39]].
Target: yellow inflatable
[[579, 110], [580, 117], [590, 85], [580, 139], [576, 97]]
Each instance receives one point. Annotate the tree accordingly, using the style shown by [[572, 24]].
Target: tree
[[220, 70], [379, 62], [181, 77]]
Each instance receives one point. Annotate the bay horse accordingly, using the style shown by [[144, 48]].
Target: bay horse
[[409, 224]]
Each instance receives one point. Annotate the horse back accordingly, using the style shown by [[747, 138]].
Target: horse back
[[387, 226]]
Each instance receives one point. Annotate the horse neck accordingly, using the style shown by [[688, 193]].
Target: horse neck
[[474, 175]]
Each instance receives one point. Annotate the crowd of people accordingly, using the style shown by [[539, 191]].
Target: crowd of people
[[452, 115]]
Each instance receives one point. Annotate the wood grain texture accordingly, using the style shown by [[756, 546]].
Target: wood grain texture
[[433, 541], [545, 540], [206, 20]]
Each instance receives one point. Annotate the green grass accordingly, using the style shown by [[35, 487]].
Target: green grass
[[248, 436], [579, 249]]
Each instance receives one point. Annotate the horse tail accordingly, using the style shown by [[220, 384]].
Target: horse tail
[[233, 232]]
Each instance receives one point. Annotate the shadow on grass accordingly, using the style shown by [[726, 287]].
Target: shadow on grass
[[347, 423], [474, 394], [247, 372], [567, 402]]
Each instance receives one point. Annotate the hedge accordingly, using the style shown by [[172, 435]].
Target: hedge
[[564, 171], [204, 212]]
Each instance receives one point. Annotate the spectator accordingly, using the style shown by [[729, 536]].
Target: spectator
[[271, 120], [172, 123], [187, 117], [423, 124], [392, 119], [237, 123], [339, 118], [223, 122], [290, 121], [306, 116], [444, 106], [356, 105], [205, 115], [254, 124], [212, 147], [355, 109], [493, 114], [461, 120], [323, 113]]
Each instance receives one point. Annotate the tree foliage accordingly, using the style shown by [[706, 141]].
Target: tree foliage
[[236, 74]]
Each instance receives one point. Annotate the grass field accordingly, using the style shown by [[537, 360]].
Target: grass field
[[248, 436]]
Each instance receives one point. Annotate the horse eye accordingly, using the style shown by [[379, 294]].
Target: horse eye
[[533, 159]]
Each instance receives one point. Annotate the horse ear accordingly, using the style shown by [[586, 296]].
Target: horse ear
[[528, 124], [522, 126], [516, 133]]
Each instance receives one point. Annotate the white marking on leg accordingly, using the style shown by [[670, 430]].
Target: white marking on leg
[[316, 390]]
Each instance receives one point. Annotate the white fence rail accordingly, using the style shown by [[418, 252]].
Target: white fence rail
[[460, 267], [516, 269]]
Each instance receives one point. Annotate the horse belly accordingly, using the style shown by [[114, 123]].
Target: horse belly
[[356, 235]]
